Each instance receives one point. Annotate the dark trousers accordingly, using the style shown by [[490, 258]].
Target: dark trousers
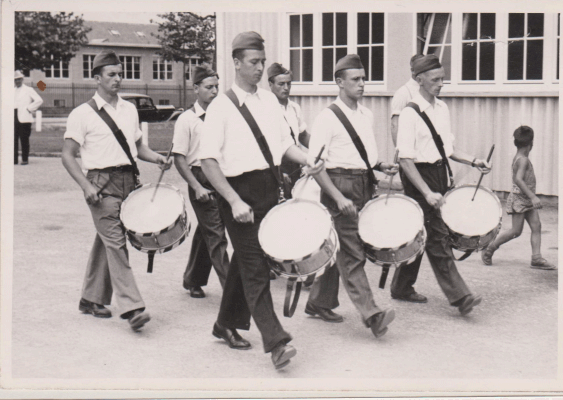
[[438, 249], [209, 245], [351, 257], [247, 290], [22, 132]]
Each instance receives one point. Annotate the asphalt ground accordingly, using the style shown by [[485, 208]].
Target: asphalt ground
[[511, 336]]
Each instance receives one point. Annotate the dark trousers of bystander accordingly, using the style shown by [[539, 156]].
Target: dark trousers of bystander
[[22, 132]]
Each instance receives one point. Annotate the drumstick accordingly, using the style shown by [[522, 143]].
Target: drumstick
[[392, 176], [316, 161], [482, 174], [162, 173]]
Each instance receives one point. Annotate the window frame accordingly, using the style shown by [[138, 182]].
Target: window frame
[[52, 70], [190, 66], [477, 42], [162, 62], [125, 71], [90, 63]]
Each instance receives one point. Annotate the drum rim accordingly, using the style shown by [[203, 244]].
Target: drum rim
[[411, 258], [378, 198], [486, 189], [156, 233], [170, 247], [316, 203]]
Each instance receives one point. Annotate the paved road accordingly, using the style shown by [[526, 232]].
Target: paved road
[[511, 336]]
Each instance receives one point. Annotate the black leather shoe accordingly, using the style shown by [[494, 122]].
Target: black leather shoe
[[413, 298], [97, 310], [325, 313], [380, 321], [281, 355], [468, 303], [138, 319], [196, 292], [231, 336]]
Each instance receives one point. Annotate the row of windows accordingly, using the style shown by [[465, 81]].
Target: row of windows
[[326, 37]]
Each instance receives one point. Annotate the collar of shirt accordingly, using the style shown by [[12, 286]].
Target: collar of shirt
[[425, 105], [101, 102], [199, 111], [242, 95], [347, 110]]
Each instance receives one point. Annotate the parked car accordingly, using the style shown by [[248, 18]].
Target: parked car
[[149, 112]]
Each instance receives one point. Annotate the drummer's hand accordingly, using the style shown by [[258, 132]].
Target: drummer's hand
[[163, 163], [346, 206], [483, 166], [434, 199], [389, 169], [91, 195], [202, 194], [242, 212], [310, 169]]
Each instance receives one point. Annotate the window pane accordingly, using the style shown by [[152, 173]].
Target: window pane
[[341, 52], [534, 59], [328, 29], [488, 23], [363, 52], [535, 24], [65, 71], [308, 65], [341, 29], [377, 27], [377, 63], [57, 73], [487, 62], [328, 66], [469, 62], [516, 60], [447, 62], [439, 29], [516, 25], [48, 73], [434, 50], [363, 28], [307, 30], [294, 31], [469, 26], [295, 64]]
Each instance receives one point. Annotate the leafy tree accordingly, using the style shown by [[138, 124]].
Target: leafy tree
[[42, 37], [185, 35]]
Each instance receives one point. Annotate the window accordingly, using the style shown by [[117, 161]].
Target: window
[[371, 39], [301, 47], [434, 36], [190, 65], [140, 34], [334, 42], [114, 32], [131, 67], [87, 60], [144, 102], [161, 70], [60, 103], [525, 46], [478, 47], [163, 102], [57, 70]]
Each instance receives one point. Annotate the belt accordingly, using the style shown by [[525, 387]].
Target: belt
[[120, 168], [347, 171], [436, 164]]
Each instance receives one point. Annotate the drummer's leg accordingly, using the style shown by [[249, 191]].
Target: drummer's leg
[[324, 291], [199, 263], [404, 278], [97, 283]]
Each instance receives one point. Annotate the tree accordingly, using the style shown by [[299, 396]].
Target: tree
[[42, 38], [185, 35]]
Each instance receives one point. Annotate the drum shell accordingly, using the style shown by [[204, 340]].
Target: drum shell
[[306, 188]]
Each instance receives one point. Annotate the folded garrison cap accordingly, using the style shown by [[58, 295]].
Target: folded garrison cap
[[248, 41], [277, 69], [350, 61], [426, 63], [106, 57], [201, 72]]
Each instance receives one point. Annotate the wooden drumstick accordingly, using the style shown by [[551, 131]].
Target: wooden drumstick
[[316, 161], [482, 173], [392, 176], [162, 172]]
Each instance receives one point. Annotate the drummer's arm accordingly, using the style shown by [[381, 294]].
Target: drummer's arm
[[69, 153], [146, 154], [201, 193], [464, 158], [433, 198], [345, 205]]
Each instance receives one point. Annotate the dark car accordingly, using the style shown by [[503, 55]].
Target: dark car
[[148, 112]]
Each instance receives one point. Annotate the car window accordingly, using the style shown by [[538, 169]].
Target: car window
[[145, 103]]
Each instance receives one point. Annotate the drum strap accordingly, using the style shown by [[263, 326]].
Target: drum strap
[[437, 138], [465, 255], [355, 139], [260, 139], [288, 309]]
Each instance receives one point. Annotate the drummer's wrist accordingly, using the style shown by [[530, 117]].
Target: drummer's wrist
[[473, 164], [378, 166]]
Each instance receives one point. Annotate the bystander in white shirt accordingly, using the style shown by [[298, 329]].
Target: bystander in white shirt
[[187, 133], [293, 116], [26, 101], [403, 96]]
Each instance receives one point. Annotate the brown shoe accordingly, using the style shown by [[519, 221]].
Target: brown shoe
[[468, 303], [97, 310], [326, 314], [413, 298], [380, 321], [138, 319], [281, 355]]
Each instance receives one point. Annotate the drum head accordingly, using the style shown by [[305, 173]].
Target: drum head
[[294, 229], [390, 225], [471, 218], [306, 188], [140, 215]]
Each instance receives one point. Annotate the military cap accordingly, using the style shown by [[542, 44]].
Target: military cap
[[106, 57], [277, 69], [350, 61], [426, 63], [248, 41], [201, 72]]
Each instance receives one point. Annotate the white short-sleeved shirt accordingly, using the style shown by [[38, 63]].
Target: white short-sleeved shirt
[[414, 139], [228, 139], [294, 118], [340, 151], [187, 132], [98, 146], [26, 101], [403, 96]]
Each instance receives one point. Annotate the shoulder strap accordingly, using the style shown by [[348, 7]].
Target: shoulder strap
[[290, 130], [264, 148], [116, 132], [355, 139], [437, 138]]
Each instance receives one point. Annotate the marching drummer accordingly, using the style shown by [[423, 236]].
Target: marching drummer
[[424, 161], [347, 185], [240, 156], [112, 175], [209, 244]]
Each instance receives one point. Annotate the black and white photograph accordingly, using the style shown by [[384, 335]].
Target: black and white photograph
[[279, 199]]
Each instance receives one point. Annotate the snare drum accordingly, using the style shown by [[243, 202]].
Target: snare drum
[[155, 226], [393, 234], [307, 188], [472, 225], [299, 239]]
